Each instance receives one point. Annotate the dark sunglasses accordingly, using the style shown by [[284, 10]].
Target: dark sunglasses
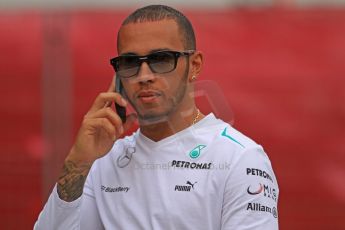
[[159, 62]]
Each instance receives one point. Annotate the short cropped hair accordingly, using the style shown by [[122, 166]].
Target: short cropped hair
[[154, 13]]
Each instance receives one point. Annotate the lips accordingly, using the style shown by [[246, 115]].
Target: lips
[[148, 93], [148, 96]]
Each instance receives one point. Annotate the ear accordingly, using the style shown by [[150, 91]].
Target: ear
[[196, 62]]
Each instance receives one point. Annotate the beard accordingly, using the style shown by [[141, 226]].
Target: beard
[[170, 105]]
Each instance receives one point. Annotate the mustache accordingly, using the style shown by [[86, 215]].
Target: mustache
[[148, 90]]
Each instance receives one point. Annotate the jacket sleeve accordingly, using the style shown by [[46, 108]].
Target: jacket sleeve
[[59, 214], [251, 193], [79, 214]]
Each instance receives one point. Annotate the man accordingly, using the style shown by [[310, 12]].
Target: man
[[181, 169]]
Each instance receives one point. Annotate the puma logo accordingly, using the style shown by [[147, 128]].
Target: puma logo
[[191, 184]]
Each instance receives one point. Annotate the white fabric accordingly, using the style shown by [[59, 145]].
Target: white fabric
[[230, 185]]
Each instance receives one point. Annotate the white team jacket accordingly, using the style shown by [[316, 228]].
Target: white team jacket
[[208, 176]]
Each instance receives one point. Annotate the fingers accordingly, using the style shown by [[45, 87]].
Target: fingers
[[112, 117], [110, 123], [111, 89], [102, 115], [112, 85], [105, 100], [104, 124]]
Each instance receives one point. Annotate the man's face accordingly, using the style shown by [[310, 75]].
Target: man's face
[[153, 95]]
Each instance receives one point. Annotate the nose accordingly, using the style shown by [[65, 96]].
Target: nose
[[145, 74]]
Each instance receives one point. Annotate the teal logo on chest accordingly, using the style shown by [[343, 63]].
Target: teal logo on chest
[[195, 153]]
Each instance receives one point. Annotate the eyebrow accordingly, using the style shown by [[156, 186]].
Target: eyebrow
[[151, 51], [160, 49]]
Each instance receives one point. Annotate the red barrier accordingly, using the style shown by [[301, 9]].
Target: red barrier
[[282, 72]]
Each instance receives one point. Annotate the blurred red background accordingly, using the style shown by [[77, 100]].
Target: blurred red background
[[282, 72]]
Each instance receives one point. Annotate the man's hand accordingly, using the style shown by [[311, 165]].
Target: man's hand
[[100, 128]]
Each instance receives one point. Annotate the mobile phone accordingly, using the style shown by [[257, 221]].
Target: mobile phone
[[120, 110]]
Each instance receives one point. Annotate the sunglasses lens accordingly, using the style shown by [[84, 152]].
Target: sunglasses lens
[[127, 66], [162, 62], [159, 62]]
